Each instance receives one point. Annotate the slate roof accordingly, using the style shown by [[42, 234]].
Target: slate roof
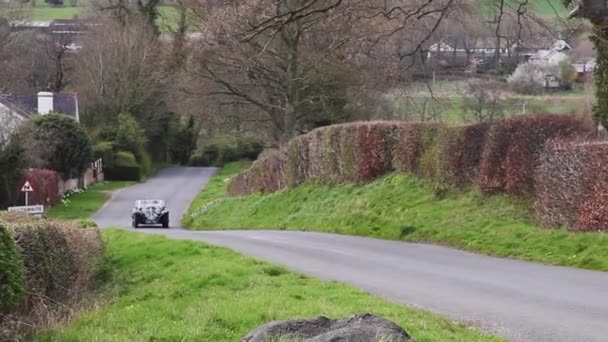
[[27, 104]]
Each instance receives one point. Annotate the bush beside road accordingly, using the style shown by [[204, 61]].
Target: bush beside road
[[47, 269]]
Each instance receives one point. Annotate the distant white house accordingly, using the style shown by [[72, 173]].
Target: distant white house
[[549, 56], [18, 108], [585, 66], [546, 50], [481, 47], [67, 31]]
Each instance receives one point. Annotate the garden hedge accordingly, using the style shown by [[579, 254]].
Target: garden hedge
[[497, 157], [514, 146], [12, 280], [571, 178], [123, 173], [57, 263], [105, 151]]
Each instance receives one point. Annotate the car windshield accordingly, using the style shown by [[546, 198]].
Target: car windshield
[[149, 203]]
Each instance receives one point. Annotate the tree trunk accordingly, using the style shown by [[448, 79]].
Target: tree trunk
[[293, 84], [600, 112]]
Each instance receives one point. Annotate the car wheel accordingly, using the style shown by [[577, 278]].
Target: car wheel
[[135, 224], [166, 222]]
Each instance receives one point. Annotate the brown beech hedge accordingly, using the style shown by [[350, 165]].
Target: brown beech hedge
[[546, 156]]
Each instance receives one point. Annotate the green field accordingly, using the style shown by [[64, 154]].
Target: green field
[[450, 109], [542, 8], [550, 8], [400, 207], [448, 102], [52, 13], [82, 205], [166, 21], [166, 290]]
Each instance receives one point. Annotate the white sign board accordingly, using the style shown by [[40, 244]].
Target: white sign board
[[30, 209], [27, 187]]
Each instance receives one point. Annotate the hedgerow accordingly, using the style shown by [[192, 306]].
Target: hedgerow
[[349, 152], [492, 172], [560, 184], [529, 136], [12, 280], [570, 180], [296, 168], [407, 149], [593, 213], [60, 262], [471, 149], [266, 175], [329, 157], [514, 146], [505, 156], [376, 144]]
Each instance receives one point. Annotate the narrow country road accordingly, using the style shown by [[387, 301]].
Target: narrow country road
[[519, 300]]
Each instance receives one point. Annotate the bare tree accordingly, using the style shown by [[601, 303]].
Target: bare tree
[[123, 10], [118, 70], [289, 71], [297, 62], [9, 121], [482, 101], [12, 65], [58, 52]]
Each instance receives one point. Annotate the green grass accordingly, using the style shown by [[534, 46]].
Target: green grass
[[52, 13], [543, 8], [400, 207], [450, 109], [216, 188], [167, 19], [82, 205], [166, 290], [550, 8]]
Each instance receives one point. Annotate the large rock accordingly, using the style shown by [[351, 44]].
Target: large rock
[[357, 328]]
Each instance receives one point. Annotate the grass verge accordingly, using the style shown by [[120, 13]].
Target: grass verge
[[400, 207], [215, 189], [82, 205], [166, 290]]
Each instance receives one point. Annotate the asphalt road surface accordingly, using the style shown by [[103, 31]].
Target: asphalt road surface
[[519, 300]]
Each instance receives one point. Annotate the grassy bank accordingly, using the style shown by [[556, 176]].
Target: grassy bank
[[166, 290], [215, 189], [400, 207], [82, 205]]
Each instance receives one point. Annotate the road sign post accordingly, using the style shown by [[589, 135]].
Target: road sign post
[[27, 188]]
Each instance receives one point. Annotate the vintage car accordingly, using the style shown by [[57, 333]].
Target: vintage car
[[148, 212]]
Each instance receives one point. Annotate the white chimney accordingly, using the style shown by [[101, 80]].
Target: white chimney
[[45, 102]]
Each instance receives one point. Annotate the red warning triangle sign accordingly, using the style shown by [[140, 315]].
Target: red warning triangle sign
[[27, 187]]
